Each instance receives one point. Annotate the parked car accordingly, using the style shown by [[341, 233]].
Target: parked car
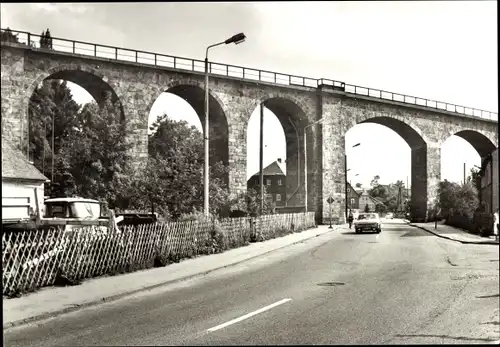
[[368, 221], [389, 215]]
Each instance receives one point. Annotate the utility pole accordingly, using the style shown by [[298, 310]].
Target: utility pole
[[261, 158], [345, 184], [464, 173]]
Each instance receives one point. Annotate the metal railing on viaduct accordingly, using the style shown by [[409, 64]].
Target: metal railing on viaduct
[[155, 59]]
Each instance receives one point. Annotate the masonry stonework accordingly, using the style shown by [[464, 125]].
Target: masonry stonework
[[232, 101]]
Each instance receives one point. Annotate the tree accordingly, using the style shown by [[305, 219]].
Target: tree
[[374, 181], [43, 40], [358, 185], [380, 208], [100, 163], [46, 40], [455, 199], [174, 174], [50, 103], [8, 36], [250, 202]]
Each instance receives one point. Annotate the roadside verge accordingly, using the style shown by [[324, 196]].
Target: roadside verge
[[54, 301], [462, 240]]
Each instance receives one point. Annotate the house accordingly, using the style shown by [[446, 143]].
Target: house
[[353, 197], [488, 185], [274, 180], [20, 179], [365, 199]]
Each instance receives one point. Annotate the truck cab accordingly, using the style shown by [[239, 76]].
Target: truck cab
[[72, 212], [69, 208]]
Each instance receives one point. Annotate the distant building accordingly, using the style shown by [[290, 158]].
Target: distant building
[[365, 199], [488, 187], [20, 179], [275, 182], [353, 197]]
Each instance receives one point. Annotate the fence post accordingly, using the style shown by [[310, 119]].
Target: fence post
[[116, 53], [29, 39], [95, 50]]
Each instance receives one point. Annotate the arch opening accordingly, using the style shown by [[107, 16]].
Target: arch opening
[[180, 112], [283, 160], [466, 158], [395, 157], [58, 108]]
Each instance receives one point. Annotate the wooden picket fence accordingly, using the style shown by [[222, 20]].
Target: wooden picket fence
[[34, 259]]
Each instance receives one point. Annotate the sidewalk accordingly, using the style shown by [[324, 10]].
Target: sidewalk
[[53, 301], [454, 234]]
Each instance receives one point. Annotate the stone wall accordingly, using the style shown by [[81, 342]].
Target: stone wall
[[232, 101]]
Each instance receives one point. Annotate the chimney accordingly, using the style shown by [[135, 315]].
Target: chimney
[[279, 160]]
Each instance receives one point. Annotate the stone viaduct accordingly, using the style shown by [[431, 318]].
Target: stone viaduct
[[235, 93]]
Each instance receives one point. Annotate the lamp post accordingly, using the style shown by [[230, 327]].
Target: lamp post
[[236, 39], [261, 158], [305, 159], [345, 170]]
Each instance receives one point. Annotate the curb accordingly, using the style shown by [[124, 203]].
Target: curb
[[112, 298], [452, 239]]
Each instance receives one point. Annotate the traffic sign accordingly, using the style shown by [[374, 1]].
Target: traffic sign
[[330, 200]]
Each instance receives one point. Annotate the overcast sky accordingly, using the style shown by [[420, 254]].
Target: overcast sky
[[445, 51]]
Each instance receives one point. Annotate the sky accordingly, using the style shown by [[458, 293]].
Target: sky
[[445, 51]]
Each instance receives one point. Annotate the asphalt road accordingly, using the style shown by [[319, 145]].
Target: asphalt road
[[402, 286]]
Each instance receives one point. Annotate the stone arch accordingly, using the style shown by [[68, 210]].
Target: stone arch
[[404, 127], [193, 93], [289, 102], [213, 97], [91, 79], [425, 158], [481, 143]]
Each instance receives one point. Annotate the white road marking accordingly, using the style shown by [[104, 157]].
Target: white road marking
[[376, 237], [239, 319]]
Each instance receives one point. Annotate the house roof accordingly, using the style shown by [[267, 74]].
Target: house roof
[[353, 189], [16, 166], [272, 169]]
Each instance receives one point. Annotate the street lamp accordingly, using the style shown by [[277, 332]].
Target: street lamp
[[236, 39], [345, 170], [305, 159]]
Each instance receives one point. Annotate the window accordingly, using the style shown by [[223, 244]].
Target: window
[[268, 182], [279, 182], [348, 190], [353, 201], [278, 197]]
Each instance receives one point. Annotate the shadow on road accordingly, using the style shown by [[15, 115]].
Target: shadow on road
[[355, 233], [488, 296], [462, 338]]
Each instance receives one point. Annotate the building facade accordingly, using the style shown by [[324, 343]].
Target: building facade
[[488, 191], [275, 183], [352, 197], [21, 180], [366, 200]]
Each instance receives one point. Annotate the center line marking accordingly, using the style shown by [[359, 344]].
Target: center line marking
[[239, 319]]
